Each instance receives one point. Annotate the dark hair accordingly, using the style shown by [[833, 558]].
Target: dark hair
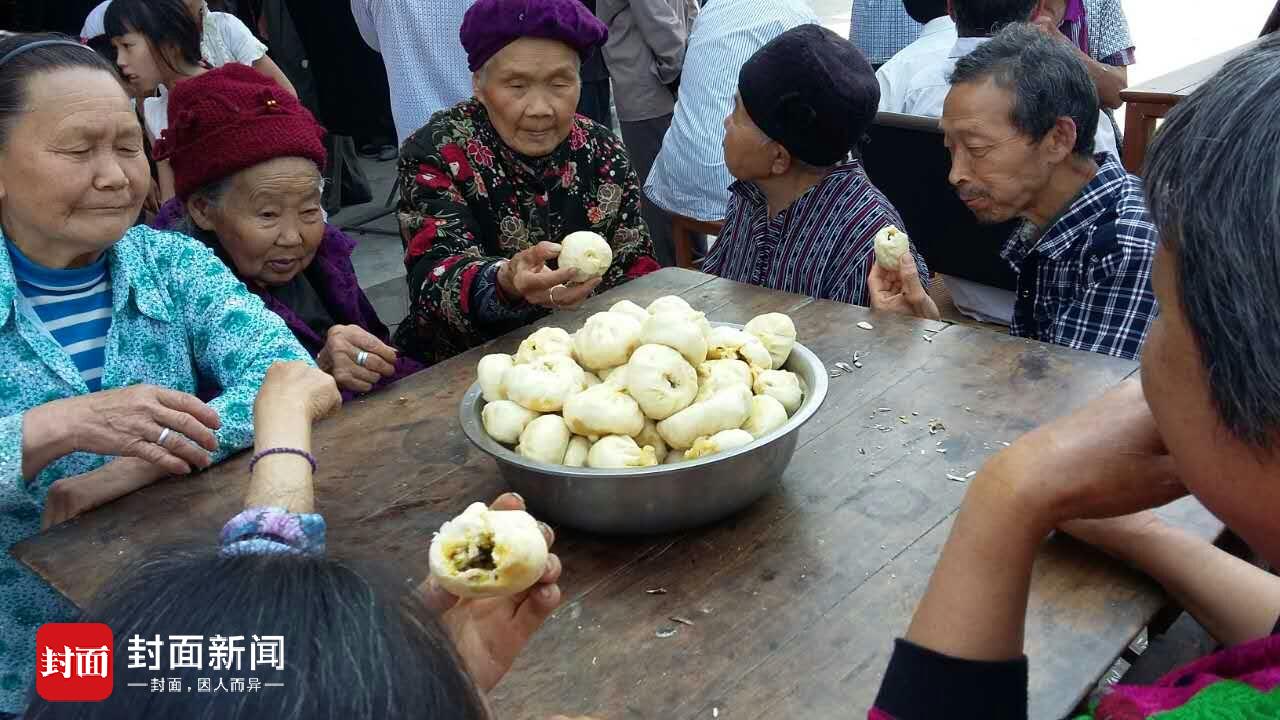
[[922, 11], [1213, 189], [164, 23], [15, 73], [1046, 78], [355, 644], [984, 18]]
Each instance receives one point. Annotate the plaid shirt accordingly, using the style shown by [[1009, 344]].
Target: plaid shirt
[[1086, 282], [822, 245]]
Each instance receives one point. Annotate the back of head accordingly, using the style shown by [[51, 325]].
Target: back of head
[[922, 11], [25, 56], [811, 91], [1044, 76], [984, 18], [1213, 189], [164, 23], [354, 645]]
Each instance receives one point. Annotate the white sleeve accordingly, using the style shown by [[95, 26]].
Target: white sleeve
[[155, 112], [363, 15], [241, 43]]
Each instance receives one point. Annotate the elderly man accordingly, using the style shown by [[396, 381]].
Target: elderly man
[[1204, 419], [689, 177], [491, 185], [1019, 123], [803, 216], [976, 21]]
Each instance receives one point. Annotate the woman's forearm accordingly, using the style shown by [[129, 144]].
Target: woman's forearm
[[976, 602], [1204, 580], [282, 480]]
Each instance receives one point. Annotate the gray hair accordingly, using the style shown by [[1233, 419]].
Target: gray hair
[[1213, 188], [1046, 78]]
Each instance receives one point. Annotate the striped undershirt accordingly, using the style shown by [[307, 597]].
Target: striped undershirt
[[75, 307]]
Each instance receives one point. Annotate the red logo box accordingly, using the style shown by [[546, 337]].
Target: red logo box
[[75, 662]]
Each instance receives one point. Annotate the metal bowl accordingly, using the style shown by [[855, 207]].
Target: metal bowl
[[657, 499]]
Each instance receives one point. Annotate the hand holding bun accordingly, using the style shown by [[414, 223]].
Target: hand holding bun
[[485, 553]]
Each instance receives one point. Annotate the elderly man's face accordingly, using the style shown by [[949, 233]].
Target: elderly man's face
[[530, 90], [269, 221], [997, 170]]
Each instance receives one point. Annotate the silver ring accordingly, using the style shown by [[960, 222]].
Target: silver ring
[[362, 357], [164, 435], [552, 294]]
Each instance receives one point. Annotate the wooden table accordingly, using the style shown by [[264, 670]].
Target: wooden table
[[1153, 100], [795, 601]]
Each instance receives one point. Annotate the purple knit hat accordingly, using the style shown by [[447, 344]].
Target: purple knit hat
[[491, 25]]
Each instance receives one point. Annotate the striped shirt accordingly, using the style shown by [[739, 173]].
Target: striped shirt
[[689, 176], [822, 245], [1086, 281], [74, 306]]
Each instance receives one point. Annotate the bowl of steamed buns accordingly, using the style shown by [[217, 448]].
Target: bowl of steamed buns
[[645, 419]]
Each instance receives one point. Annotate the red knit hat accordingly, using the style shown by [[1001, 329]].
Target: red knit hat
[[231, 119]]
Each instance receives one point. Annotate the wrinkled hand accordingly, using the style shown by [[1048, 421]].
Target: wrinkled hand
[[78, 494], [296, 384], [129, 421], [338, 358], [1104, 460], [526, 277], [901, 291], [490, 632]]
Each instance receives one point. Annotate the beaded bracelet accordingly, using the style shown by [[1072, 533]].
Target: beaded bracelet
[[283, 451]]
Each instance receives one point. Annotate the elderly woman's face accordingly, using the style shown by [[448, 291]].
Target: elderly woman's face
[[530, 89], [73, 174], [269, 220]]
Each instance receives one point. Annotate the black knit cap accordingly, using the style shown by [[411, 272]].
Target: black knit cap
[[811, 91]]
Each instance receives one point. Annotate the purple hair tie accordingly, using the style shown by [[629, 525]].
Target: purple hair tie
[[283, 451]]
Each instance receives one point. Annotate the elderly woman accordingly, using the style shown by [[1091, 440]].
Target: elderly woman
[[246, 159], [491, 185], [1205, 419], [106, 331]]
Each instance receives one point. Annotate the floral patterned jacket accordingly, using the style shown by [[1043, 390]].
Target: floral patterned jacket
[[468, 201]]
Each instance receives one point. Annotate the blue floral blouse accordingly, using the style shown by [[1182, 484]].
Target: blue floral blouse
[[179, 320]]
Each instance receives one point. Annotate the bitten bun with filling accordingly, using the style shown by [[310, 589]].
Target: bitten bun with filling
[[488, 553]]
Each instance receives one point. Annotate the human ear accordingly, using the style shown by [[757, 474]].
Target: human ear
[[1061, 139], [781, 160], [201, 212]]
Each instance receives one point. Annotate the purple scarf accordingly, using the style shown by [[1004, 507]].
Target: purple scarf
[[334, 279]]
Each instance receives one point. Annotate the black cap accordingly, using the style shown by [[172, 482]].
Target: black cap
[[811, 91]]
